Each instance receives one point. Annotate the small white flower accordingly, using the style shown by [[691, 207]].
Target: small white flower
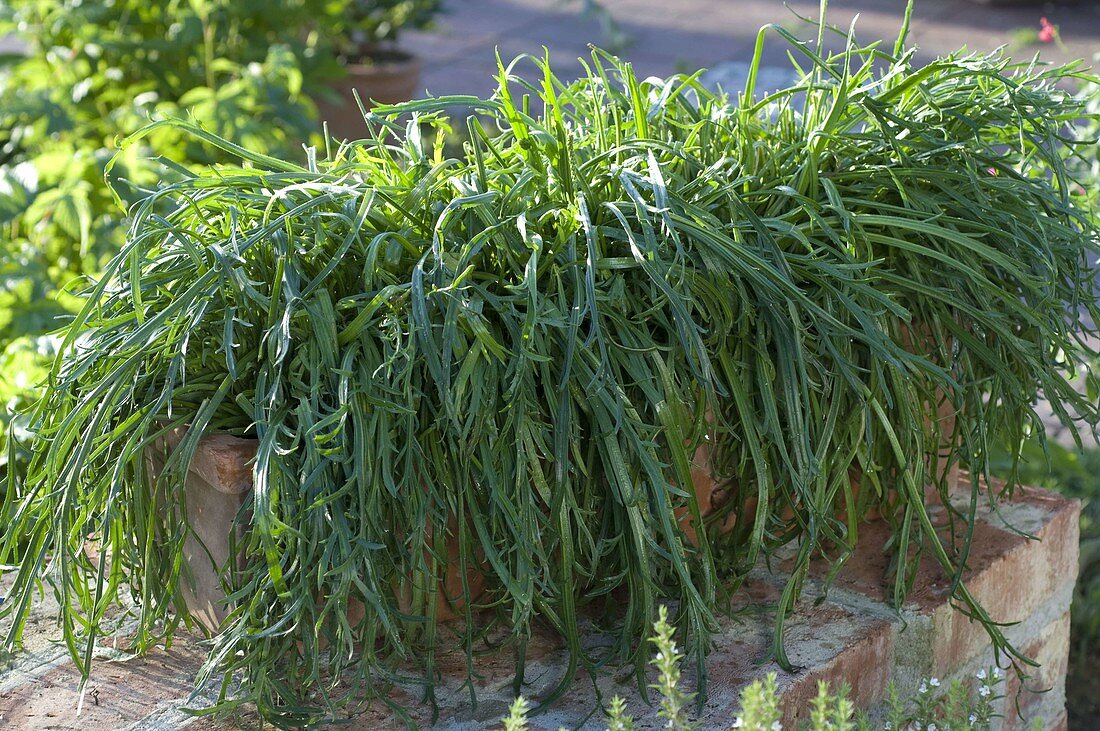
[[923, 687], [932, 727], [738, 722], [984, 691], [981, 674], [777, 726], [934, 682], [998, 673], [972, 719]]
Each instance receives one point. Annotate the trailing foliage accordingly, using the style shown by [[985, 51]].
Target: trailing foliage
[[506, 363], [1084, 161]]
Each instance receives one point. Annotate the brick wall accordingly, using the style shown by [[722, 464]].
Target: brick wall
[[851, 635]]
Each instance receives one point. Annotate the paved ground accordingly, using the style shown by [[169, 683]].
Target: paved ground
[[666, 36]]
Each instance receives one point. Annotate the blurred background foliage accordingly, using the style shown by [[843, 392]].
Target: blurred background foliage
[[94, 72]]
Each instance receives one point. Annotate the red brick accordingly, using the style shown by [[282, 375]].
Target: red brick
[[1011, 576], [1042, 695], [864, 665]]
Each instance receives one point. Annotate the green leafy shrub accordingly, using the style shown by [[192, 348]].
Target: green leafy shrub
[[95, 72], [21, 374], [503, 363]]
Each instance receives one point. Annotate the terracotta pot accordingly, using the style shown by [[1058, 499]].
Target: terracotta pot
[[218, 482], [389, 77], [217, 485], [709, 495]]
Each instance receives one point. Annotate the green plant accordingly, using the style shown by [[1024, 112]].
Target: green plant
[[832, 712], [667, 661], [21, 373], [95, 72], [503, 363], [760, 706], [1084, 159], [617, 717], [357, 26], [923, 709], [516, 720], [1075, 472]]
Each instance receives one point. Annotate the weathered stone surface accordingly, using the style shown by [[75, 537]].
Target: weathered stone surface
[[116, 696]]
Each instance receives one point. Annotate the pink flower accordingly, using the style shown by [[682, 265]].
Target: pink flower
[[1047, 32]]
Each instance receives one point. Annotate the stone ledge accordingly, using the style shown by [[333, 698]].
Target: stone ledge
[[849, 636]]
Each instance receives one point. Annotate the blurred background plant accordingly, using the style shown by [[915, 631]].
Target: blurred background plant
[[93, 72], [1027, 36], [355, 27]]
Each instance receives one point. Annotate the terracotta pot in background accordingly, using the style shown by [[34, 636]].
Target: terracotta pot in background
[[387, 76]]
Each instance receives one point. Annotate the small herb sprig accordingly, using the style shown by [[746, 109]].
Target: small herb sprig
[[964, 705]]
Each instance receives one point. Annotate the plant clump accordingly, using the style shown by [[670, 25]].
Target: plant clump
[[503, 366]]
